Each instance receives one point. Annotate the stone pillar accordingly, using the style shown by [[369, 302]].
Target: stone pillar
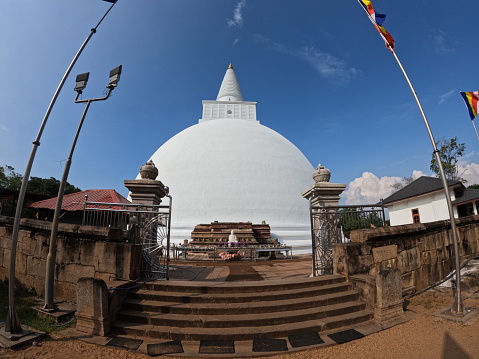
[[147, 190], [389, 302], [92, 307], [324, 193]]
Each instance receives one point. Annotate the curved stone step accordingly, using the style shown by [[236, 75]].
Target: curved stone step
[[241, 333], [247, 296], [202, 287], [241, 320], [241, 307]]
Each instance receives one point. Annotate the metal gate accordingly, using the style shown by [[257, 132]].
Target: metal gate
[[148, 225], [155, 246], [331, 225]]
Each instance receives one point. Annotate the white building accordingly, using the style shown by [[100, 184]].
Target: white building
[[424, 201], [230, 168]]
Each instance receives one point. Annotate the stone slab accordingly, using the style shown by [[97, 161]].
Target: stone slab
[[171, 347], [217, 347], [469, 313], [12, 341], [381, 254], [269, 345], [346, 336]]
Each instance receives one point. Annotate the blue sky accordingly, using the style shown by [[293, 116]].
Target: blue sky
[[319, 71]]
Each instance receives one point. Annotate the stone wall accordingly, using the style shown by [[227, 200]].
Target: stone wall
[[423, 252], [82, 251]]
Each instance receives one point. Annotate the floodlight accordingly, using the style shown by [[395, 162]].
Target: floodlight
[[114, 76], [81, 81]]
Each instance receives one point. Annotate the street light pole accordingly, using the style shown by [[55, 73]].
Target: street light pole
[[52, 251], [12, 324]]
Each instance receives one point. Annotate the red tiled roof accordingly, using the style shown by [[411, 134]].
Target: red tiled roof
[[75, 201]]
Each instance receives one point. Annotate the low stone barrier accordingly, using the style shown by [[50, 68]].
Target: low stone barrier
[[423, 252], [82, 251]]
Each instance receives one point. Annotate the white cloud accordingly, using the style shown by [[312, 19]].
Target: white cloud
[[442, 42], [469, 171], [445, 96], [369, 188], [326, 65], [237, 20]]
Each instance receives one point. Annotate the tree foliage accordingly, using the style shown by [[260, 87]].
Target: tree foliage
[[9, 179], [402, 183], [352, 218], [450, 151]]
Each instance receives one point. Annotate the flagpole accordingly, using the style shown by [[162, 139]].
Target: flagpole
[[13, 325], [475, 129], [458, 306]]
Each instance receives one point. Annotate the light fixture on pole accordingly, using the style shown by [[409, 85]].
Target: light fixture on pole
[[81, 82], [12, 323]]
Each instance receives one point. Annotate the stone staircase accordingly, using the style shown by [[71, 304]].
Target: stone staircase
[[182, 310]]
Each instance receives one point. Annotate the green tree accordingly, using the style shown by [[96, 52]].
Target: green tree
[[10, 179], [474, 186], [352, 218], [450, 151], [402, 183]]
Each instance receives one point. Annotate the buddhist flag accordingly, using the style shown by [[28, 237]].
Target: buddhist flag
[[378, 20], [472, 101]]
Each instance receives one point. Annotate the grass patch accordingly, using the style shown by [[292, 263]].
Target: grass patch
[[25, 300]]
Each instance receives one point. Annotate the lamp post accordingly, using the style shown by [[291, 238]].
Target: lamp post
[[81, 82], [12, 325]]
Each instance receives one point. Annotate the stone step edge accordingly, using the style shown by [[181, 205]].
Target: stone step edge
[[279, 305], [220, 321], [243, 297], [265, 286], [242, 333]]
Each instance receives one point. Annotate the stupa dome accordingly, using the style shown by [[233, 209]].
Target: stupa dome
[[230, 168]]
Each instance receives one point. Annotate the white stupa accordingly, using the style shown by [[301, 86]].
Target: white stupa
[[230, 168]]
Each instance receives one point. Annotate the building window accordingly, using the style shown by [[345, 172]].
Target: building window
[[415, 216]]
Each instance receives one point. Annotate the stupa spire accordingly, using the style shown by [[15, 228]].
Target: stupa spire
[[230, 90]]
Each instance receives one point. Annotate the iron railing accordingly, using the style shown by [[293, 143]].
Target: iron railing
[[331, 225], [148, 225]]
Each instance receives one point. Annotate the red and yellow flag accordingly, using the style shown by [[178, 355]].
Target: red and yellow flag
[[472, 101], [378, 20]]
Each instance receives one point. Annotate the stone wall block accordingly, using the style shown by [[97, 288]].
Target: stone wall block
[[384, 253], [29, 245], [21, 263], [65, 291], [24, 280], [88, 253], [70, 272], [36, 267], [408, 279], [68, 250], [426, 257], [41, 247], [107, 257]]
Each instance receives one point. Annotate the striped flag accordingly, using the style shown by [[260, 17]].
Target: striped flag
[[472, 101], [378, 20]]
